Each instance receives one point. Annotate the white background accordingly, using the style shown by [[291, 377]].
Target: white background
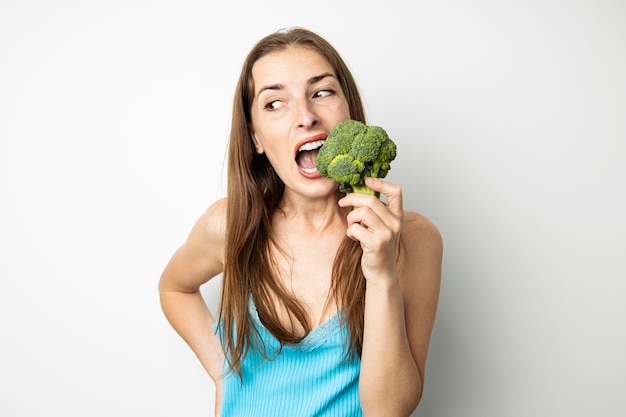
[[510, 122]]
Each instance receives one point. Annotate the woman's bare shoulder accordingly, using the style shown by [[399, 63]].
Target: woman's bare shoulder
[[207, 238], [201, 257], [418, 229], [213, 220]]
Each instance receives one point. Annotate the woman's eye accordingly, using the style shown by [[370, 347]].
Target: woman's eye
[[274, 105], [324, 93]]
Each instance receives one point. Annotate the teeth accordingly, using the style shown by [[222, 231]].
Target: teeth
[[309, 170], [311, 145]]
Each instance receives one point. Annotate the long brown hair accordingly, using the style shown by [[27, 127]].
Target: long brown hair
[[254, 192]]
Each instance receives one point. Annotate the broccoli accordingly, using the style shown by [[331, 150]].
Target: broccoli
[[354, 151]]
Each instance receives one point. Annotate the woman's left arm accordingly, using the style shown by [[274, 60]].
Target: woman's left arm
[[402, 256]]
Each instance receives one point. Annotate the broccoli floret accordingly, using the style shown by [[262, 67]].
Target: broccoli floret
[[354, 151], [345, 169], [340, 144]]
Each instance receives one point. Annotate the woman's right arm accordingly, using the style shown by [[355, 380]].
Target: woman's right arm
[[198, 260]]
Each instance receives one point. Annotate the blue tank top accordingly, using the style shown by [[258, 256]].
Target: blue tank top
[[310, 379]]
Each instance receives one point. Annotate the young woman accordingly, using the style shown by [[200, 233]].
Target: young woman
[[328, 300]]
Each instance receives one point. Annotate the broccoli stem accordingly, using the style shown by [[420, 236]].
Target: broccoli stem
[[365, 190], [371, 170]]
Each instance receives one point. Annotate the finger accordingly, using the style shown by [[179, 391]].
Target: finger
[[366, 217], [392, 219], [385, 225], [357, 199], [371, 231], [393, 192], [358, 232]]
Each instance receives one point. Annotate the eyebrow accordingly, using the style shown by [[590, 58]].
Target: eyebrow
[[310, 81]]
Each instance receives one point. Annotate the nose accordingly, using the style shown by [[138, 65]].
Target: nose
[[305, 114]]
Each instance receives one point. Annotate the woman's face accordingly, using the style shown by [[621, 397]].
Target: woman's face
[[297, 101]]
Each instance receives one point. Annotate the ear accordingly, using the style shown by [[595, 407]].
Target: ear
[[257, 143]]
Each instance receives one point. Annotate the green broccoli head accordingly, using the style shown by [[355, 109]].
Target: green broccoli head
[[366, 146], [338, 142], [345, 169], [387, 154], [354, 151]]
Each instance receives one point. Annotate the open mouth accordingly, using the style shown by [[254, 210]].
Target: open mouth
[[306, 155]]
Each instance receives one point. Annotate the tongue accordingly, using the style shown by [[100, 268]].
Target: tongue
[[306, 159]]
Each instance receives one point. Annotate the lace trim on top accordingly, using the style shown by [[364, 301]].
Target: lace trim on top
[[316, 337]]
